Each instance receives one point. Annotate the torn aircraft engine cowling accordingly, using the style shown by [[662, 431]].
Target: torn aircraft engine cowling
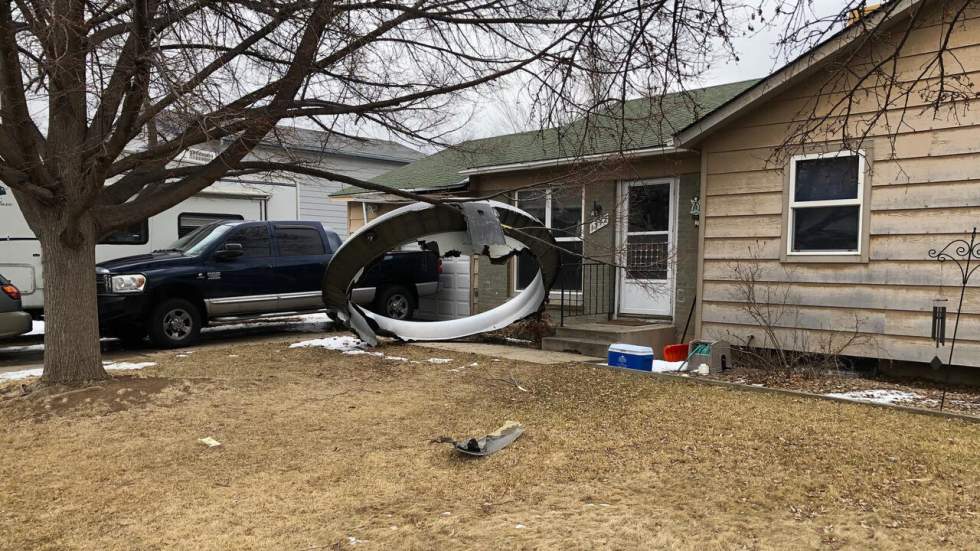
[[445, 225]]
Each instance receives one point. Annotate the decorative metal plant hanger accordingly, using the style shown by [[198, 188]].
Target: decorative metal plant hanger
[[966, 256]]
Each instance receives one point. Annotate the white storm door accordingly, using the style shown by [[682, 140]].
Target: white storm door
[[646, 239]]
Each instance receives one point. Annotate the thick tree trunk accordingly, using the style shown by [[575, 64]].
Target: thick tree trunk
[[71, 315]]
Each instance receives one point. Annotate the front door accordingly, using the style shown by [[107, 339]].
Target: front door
[[646, 242]]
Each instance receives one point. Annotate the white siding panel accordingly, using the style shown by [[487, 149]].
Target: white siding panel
[[315, 202]]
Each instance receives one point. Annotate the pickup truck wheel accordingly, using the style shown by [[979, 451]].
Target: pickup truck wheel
[[396, 302], [174, 323]]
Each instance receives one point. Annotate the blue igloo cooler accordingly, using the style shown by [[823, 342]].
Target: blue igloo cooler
[[631, 356]]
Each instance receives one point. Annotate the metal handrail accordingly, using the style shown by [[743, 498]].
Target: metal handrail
[[596, 294]]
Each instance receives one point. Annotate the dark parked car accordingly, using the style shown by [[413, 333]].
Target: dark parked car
[[13, 320], [222, 270]]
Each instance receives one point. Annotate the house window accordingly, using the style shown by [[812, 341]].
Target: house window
[[190, 221], [560, 209], [826, 194], [135, 234]]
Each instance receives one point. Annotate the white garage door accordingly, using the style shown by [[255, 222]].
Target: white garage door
[[453, 299]]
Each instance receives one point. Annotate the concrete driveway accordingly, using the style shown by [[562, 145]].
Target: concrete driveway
[[27, 352]]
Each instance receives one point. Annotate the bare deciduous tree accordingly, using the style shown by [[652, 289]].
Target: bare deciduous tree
[[100, 97]]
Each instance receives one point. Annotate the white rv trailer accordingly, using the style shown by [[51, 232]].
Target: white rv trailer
[[20, 251]]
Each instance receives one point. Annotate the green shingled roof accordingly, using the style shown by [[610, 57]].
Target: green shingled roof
[[639, 124]]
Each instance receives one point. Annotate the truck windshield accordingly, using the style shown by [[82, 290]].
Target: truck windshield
[[200, 239]]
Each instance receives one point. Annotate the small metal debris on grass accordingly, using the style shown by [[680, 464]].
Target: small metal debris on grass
[[209, 442], [491, 443]]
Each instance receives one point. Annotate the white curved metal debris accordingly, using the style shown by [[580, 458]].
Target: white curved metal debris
[[446, 226]]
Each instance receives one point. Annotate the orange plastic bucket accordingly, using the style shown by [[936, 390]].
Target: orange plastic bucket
[[675, 352]]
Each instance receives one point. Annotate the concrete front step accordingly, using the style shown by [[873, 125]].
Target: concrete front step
[[593, 336], [585, 347]]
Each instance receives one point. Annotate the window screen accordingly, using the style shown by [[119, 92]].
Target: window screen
[[825, 206]]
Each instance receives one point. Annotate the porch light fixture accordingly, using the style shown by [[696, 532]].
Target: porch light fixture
[[696, 209], [596, 209]]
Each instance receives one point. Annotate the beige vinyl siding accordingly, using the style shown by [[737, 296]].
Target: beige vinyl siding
[[355, 213], [925, 191]]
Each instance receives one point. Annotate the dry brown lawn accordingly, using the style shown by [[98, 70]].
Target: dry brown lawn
[[322, 450]]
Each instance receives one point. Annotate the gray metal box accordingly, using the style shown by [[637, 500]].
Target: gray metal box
[[717, 355]]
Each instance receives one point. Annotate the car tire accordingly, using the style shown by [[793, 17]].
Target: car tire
[[174, 323], [396, 302]]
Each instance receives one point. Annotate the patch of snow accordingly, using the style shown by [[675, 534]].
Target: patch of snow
[[115, 366], [877, 396], [658, 366], [342, 343], [36, 372], [358, 352], [18, 375], [37, 328], [396, 358], [518, 341], [439, 360], [17, 349]]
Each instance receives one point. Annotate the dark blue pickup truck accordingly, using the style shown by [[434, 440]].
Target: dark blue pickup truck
[[233, 270]]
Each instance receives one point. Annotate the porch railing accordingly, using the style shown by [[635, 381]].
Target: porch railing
[[595, 295]]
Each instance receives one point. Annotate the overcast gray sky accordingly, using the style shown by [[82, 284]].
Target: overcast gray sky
[[505, 114]]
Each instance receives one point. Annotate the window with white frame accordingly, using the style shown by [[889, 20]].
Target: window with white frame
[[560, 208], [826, 192]]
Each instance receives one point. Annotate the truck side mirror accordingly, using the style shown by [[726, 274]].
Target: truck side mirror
[[229, 251]]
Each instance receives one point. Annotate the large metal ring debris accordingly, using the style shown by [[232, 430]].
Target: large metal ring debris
[[459, 228]]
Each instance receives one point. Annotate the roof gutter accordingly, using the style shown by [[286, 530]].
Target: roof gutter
[[458, 185], [781, 79], [548, 163]]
